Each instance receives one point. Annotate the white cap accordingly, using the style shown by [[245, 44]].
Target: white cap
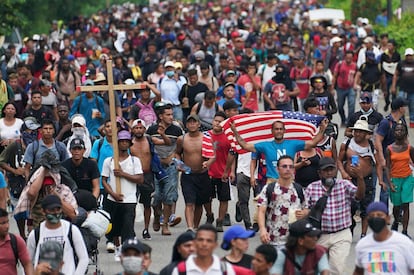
[[336, 39], [169, 64], [137, 121], [334, 31], [409, 51], [129, 81]]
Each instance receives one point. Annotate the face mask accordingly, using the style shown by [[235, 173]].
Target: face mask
[[54, 218], [170, 74], [132, 264], [78, 131], [131, 66], [377, 224], [28, 137], [328, 181]]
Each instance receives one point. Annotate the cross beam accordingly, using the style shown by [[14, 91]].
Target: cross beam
[[111, 88]]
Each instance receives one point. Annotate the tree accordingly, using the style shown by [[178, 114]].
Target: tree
[[11, 15]]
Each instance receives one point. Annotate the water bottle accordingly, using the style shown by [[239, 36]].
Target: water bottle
[[182, 166]]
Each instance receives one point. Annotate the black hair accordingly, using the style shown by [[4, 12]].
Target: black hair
[[3, 213], [279, 122], [404, 127], [4, 108], [349, 52], [207, 227], [192, 72], [220, 113], [47, 121], [36, 92], [319, 61], [310, 103], [268, 251], [146, 248], [284, 157], [209, 95]]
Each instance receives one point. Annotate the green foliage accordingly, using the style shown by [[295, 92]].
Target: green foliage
[[350, 11], [365, 8], [402, 31], [11, 15]]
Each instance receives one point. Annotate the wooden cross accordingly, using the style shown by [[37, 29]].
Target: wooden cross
[[110, 88]]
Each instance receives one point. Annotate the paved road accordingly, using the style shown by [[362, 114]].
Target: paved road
[[162, 245]]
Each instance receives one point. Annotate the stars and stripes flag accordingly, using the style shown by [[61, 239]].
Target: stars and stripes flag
[[256, 127]]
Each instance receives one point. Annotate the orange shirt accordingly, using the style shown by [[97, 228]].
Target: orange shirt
[[400, 163]]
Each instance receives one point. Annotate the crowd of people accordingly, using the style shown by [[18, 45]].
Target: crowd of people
[[201, 64]]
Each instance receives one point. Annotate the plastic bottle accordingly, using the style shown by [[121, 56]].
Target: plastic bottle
[[182, 166]]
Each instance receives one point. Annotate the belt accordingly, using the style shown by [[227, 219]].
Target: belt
[[333, 232]]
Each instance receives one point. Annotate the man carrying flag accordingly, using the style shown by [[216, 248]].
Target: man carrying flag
[[278, 147]]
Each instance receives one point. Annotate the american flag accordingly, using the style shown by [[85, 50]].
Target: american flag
[[256, 127]]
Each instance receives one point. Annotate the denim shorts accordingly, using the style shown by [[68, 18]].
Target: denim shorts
[[166, 190]]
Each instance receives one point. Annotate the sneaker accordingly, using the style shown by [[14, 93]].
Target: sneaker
[[110, 247], [406, 234], [363, 235], [219, 226], [117, 255], [210, 218], [238, 213], [146, 235], [226, 220], [174, 220], [394, 226]]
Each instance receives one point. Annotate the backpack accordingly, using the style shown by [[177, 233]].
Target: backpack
[[70, 238], [13, 243], [17, 183], [182, 268], [61, 149], [146, 112], [297, 186]]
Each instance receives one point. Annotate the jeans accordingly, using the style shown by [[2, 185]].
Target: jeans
[[342, 94], [243, 192], [178, 113], [166, 190], [384, 196], [410, 97]]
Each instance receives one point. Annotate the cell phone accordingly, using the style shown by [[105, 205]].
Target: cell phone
[[355, 160]]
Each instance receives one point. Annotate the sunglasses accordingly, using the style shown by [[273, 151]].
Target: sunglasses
[[318, 81]]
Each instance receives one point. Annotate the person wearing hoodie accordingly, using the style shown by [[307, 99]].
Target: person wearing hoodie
[[183, 247], [279, 91]]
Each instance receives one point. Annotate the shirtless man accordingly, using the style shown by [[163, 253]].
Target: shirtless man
[[360, 151], [196, 185], [141, 148]]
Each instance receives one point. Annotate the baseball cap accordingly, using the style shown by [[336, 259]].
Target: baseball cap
[[51, 252], [302, 228], [398, 103], [365, 97], [78, 119], [326, 162], [229, 84], [77, 143], [169, 64], [132, 244], [90, 72], [235, 232], [45, 82], [51, 201], [48, 181], [31, 123], [230, 104], [199, 55], [138, 121], [409, 51], [124, 135], [193, 116], [230, 72], [377, 206]]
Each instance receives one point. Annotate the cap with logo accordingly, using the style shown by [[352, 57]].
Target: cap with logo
[[77, 143], [303, 227], [31, 123], [132, 244], [365, 97], [137, 122]]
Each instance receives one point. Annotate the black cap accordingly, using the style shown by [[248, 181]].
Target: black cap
[[230, 104], [398, 102], [132, 244], [77, 143], [326, 162], [51, 201], [302, 228]]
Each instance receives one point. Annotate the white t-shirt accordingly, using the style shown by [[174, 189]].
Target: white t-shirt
[[266, 72], [61, 235], [130, 165], [394, 256], [214, 269], [10, 132]]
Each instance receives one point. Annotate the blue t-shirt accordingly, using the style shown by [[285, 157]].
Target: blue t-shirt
[[273, 151], [100, 154], [3, 183]]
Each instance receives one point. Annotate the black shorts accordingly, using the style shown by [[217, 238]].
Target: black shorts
[[145, 190], [369, 195], [196, 188], [221, 190]]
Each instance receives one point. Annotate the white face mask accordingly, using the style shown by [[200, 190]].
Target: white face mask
[[132, 264], [131, 65], [78, 131]]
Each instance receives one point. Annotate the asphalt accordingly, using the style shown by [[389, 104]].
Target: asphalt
[[162, 245]]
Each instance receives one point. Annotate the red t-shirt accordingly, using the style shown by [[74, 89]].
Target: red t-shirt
[[251, 94], [346, 74], [7, 259], [301, 78], [216, 145]]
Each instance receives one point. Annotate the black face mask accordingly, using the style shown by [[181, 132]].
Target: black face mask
[[377, 224]]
